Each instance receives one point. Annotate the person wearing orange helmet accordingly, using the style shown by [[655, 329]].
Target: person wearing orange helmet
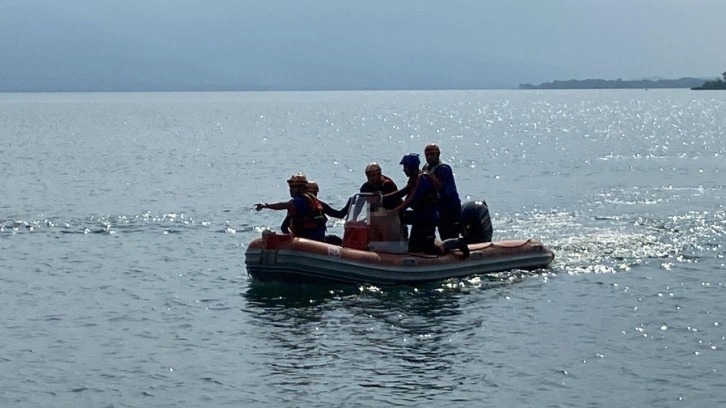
[[449, 201], [307, 216]]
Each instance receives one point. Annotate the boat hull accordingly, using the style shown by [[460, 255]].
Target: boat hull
[[284, 258]]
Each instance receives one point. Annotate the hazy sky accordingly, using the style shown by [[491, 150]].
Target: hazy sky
[[500, 41]]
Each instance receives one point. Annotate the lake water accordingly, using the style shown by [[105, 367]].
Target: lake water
[[124, 219]]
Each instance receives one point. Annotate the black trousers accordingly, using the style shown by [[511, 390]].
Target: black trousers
[[423, 235], [449, 226]]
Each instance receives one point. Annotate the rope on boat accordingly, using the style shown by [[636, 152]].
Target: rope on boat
[[529, 241]]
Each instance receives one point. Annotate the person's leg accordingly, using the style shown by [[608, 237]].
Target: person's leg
[[449, 226], [406, 219], [416, 240], [455, 243], [428, 232]]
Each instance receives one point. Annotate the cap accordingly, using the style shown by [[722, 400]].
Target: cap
[[411, 160]]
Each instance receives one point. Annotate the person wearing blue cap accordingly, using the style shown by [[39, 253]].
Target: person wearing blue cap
[[422, 197]]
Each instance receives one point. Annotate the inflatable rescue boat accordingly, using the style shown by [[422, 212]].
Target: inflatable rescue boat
[[374, 253]]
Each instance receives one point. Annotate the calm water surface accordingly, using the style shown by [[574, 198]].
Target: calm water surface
[[124, 219]]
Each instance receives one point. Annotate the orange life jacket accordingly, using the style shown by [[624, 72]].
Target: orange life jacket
[[312, 220]]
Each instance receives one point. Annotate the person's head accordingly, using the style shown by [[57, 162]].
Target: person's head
[[298, 184], [313, 188], [373, 173], [410, 163], [432, 153]]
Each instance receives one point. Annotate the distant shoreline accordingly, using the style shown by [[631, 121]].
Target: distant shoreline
[[685, 83], [201, 90], [250, 89]]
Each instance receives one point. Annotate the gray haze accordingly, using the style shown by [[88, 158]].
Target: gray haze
[[79, 45]]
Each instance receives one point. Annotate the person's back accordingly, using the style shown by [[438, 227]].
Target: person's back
[[308, 219]]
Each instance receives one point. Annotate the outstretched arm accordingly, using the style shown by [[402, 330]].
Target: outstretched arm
[[282, 205]]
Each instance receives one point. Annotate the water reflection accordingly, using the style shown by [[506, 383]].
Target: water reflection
[[394, 339], [434, 300], [367, 315]]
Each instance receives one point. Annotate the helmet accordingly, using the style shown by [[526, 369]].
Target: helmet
[[297, 180], [433, 147], [373, 168], [411, 160], [313, 187]]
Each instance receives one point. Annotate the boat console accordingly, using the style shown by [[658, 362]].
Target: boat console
[[369, 226]]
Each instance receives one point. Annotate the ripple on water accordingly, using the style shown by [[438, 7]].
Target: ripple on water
[[611, 244]]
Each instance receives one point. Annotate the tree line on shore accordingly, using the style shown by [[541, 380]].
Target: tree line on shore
[[718, 83], [687, 82]]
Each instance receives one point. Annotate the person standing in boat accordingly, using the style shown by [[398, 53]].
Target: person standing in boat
[[476, 227], [422, 198], [449, 202], [307, 216]]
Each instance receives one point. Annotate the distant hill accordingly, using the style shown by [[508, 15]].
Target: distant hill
[[718, 83], [617, 84]]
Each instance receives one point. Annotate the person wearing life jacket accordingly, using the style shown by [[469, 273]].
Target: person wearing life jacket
[[307, 216], [476, 227], [314, 189], [422, 198], [449, 202]]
